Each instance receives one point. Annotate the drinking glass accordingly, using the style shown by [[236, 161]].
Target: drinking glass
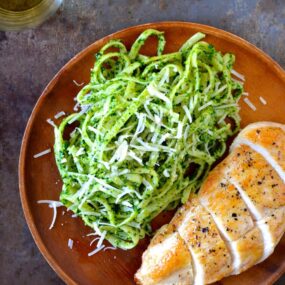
[[21, 14]]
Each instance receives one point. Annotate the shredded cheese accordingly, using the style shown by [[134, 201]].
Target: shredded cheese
[[238, 75], [76, 106], [70, 243], [262, 100], [109, 247], [99, 244], [44, 152], [154, 92], [187, 112], [205, 106], [51, 122], [250, 104], [179, 130], [59, 114], [54, 205], [121, 152], [78, 84], [93, 240], [96, 250], [166, 173], [135, 157]]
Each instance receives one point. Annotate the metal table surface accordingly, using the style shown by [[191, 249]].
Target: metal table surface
[[30, 58]]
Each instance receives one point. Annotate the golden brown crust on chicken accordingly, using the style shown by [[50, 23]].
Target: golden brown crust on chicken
[[230, 213], [166, 258], [257, 178], [209, 252], [268, 139], [249, 248]]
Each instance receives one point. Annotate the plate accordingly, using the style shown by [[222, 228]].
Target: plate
[[39, 178]]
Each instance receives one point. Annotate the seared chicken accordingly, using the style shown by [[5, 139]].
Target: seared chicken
[[234, 222]]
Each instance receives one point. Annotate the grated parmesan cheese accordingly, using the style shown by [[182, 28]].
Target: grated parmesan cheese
[[54, 205], [109, 247], [154, 137], [125, 192], [135, 157], [93, 240], [238, 75], [59, 114], [80, 152], [128, 204], [121, 152], [96, 250], [85, 108], [179, 130], [166, 173], [250, 104], [238, 81], [163, 138], [262, 100], [91, 234], [78, 84], [205, 106], [187, 112], [51, 122], [147, 184], [70, 243], [100, 242], [185, 136], [165, 78], [154, 92], [73, 133], [44, 152], [76, 106], [141, 123]]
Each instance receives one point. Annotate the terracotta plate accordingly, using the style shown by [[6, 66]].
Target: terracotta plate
[[39, 178]]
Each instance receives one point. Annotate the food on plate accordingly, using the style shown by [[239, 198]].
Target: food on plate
[[234, 222], [144, 121]]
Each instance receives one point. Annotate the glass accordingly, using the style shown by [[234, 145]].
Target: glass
[[16, 15]]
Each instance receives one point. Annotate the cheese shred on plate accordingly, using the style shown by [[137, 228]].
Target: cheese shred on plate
[[250, 104], [44, 152], [70, 243], [143, 120], [262, 100], [54, 205]]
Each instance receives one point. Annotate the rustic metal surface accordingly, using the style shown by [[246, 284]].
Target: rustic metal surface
[[29, 59]]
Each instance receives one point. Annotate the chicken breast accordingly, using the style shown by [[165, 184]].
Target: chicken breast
[[167, 260], [234, 222]]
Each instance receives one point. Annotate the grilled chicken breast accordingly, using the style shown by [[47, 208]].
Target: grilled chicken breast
[[234, 222]]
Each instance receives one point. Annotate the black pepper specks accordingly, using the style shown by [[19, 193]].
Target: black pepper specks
[[205, 230]]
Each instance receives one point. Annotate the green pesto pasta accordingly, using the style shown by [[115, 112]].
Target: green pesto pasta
[[143, 121]]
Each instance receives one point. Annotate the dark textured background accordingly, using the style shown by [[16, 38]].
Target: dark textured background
[[29, 59]]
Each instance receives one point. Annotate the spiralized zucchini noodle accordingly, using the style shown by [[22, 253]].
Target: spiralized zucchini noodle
[[144, 121]]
